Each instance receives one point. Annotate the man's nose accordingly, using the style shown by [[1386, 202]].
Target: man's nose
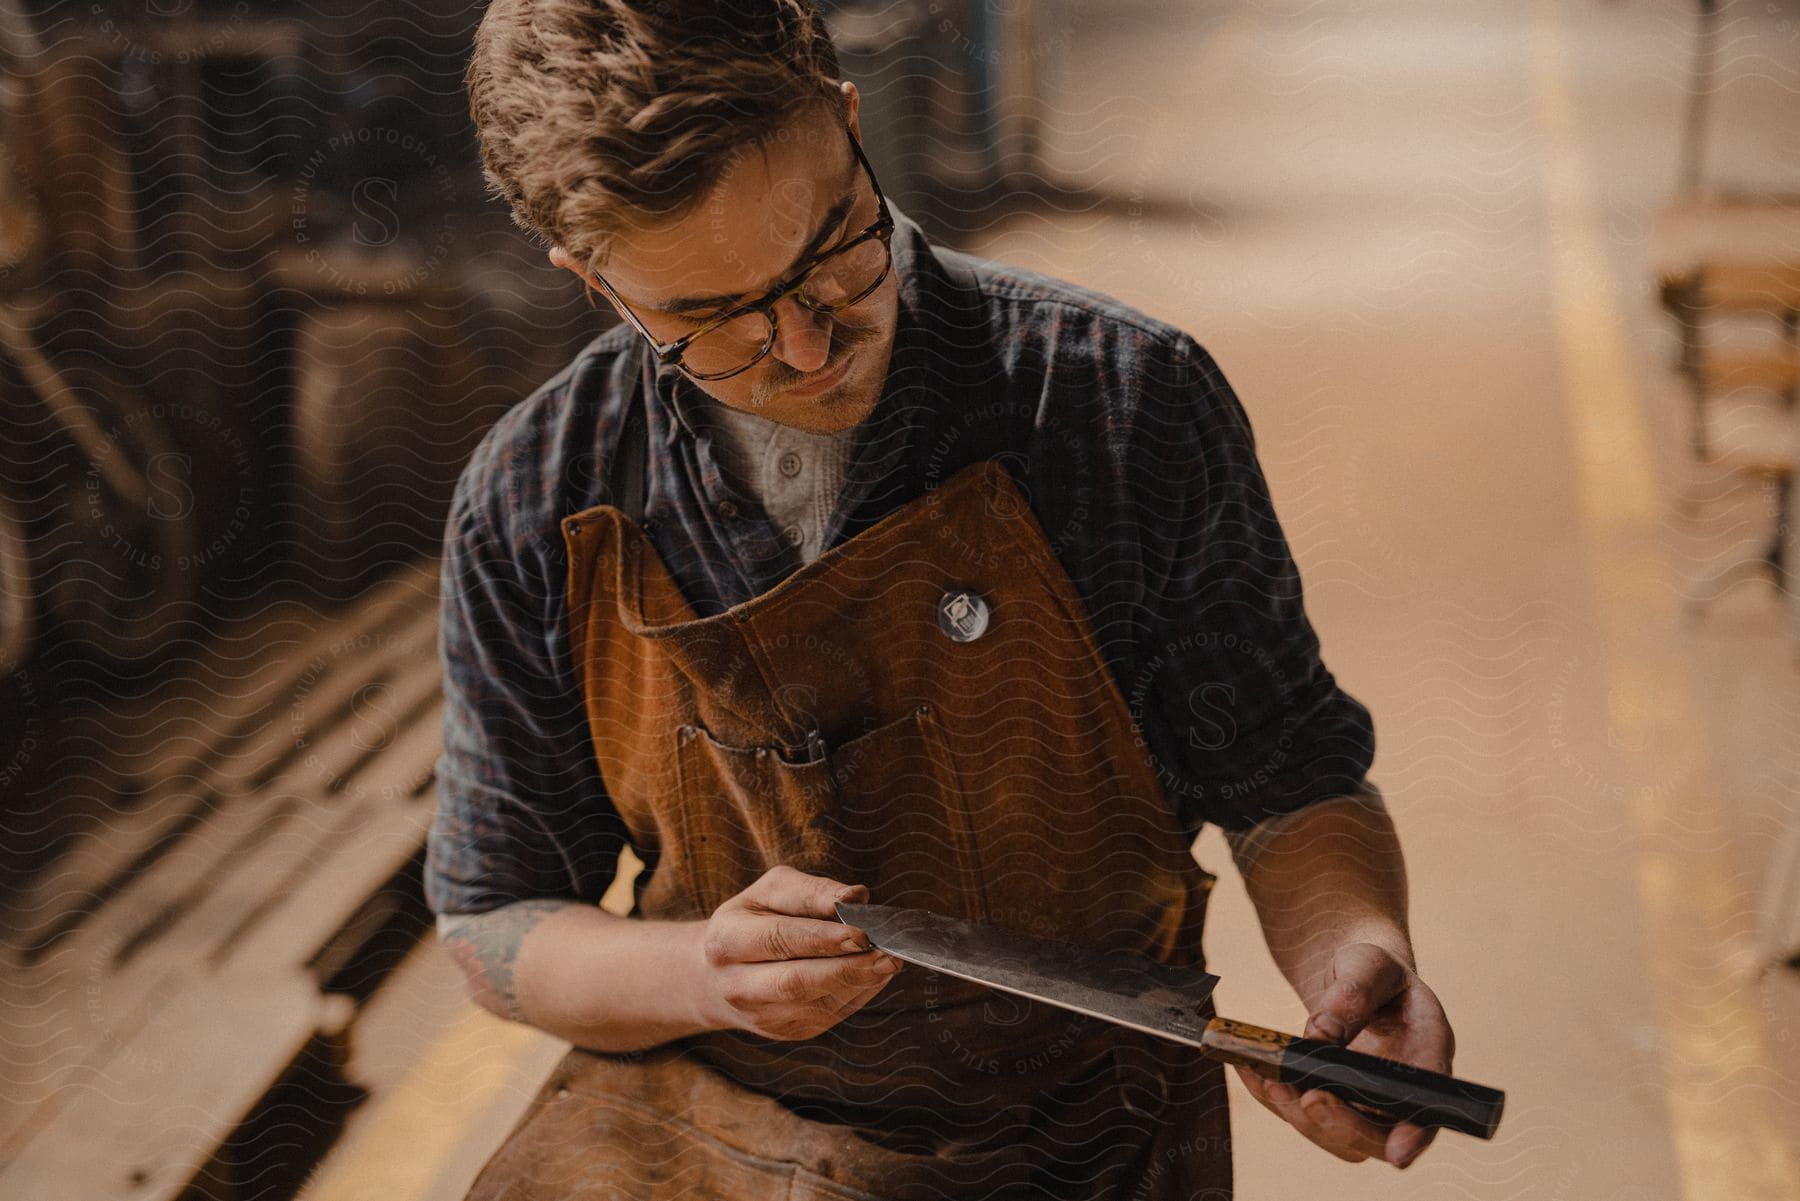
[[802, 337]]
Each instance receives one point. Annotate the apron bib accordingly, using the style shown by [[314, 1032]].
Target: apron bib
[[941, 727]]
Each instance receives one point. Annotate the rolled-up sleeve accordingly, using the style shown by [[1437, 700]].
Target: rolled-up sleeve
[[522, 811], [1241, 717]]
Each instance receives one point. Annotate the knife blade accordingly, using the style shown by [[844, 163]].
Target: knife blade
[[1117, 986], [1133, 990]]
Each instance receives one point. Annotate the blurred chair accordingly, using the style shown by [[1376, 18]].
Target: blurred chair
[[1729, 267], [1730, 279]]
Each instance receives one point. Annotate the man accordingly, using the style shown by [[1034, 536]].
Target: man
[[851, 568]]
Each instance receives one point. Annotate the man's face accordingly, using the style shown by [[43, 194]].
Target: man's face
[[777, 204]]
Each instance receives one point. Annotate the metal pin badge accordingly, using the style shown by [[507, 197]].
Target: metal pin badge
[[962, 615]]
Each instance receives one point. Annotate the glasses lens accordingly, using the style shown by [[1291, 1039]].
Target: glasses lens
[[848, 276], [836, 282], [731, 347]]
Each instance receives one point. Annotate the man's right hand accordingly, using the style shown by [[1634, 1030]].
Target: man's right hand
[[775, 961]]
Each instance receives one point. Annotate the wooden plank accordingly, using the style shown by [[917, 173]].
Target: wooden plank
[[104, 864], [105, 982], [405, 769], [211, 709], [195, 746], [426, 1138], [326, 898], [320, 886], [237, 880], [1685, 238], [87, 873], [1751, 286], [205, 866], [436, 1128], [323, 695], [144, 1126], [1725, 372], [377, 716], [56, 1052]]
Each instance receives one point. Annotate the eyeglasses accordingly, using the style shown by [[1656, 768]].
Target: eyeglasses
[[738, 339]]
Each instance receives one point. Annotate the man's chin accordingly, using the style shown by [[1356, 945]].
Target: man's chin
[[832, 413], [846, 404]]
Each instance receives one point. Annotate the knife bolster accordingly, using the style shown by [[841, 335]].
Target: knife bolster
[[1247, 1046]]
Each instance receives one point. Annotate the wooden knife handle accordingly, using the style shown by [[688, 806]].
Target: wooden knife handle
[[1397, 1089]]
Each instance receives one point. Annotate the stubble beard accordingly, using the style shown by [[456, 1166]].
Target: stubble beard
[[842, 399]]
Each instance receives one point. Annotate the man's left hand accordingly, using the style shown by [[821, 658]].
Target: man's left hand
[[1374, 1003]]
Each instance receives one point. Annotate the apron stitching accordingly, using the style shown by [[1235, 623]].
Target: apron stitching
[[809, 579]]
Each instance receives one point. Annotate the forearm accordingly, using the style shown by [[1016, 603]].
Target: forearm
[[598, 980], [1329, 875]]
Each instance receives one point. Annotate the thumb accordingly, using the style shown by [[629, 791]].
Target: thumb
[[1363, 979]]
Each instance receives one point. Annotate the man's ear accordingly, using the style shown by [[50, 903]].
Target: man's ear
[[566, 261], [562, 258], [855, 103]]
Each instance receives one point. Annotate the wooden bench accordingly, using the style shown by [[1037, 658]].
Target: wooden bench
[[1737, 261], [175, 966], [1735, 258]]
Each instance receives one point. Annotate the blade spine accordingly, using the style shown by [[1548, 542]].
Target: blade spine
[[998, 940]]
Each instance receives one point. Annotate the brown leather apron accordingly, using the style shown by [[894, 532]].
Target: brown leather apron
[[848, 724]]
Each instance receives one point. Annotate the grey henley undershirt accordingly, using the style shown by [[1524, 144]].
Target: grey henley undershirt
[[798, 476]]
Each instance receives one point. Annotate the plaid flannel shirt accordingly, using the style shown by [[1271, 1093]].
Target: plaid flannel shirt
[[1138, 461]]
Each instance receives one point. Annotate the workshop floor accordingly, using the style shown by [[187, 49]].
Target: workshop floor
[[1416, 238]]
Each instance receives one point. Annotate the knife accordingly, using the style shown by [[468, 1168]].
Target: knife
[[1133, 990]]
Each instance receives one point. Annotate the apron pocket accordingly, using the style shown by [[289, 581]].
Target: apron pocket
[[880, 810]]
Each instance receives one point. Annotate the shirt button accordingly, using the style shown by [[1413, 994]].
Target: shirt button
[[727, 509], [794, 535], [789, 463]]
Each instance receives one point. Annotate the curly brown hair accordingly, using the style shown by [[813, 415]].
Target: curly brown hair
[[594, 115]]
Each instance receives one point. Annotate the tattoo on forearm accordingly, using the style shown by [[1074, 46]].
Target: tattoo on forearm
[[486, 947]]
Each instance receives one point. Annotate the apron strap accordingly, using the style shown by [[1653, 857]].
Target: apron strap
[[626, 477]]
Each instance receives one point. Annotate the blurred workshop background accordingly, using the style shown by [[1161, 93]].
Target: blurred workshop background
[[1509, 291]]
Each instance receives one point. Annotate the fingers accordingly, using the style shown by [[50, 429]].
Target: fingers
[[788, 890], [1427, 1038], [1338, 1128], [1386, 1010], [805, 997], [780, 964], [1406, 1142], [752, 937], [810, 980], [1321, 1117], [785, 914], [1364, 978]]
